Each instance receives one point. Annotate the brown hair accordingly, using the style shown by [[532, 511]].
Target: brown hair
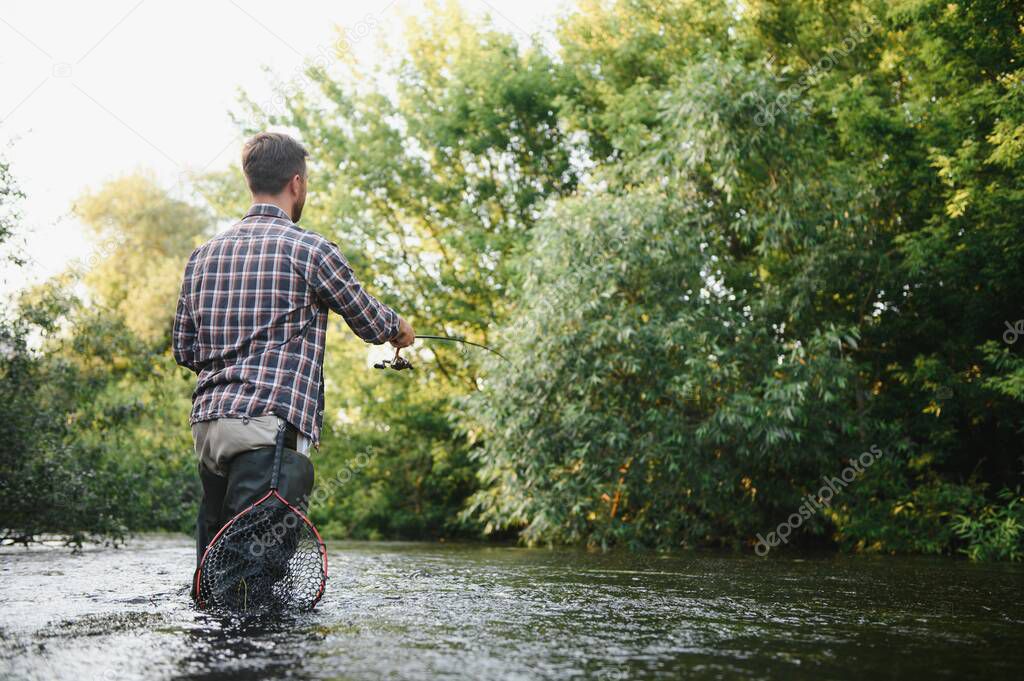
[[270, 160]]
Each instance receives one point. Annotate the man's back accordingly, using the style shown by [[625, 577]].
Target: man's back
[[252, 319]]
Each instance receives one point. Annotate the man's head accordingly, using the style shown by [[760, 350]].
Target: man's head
[[275, 169]]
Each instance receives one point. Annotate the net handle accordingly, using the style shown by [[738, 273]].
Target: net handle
[[278, 451]]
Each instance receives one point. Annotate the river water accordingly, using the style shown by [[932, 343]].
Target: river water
[[429, 611]]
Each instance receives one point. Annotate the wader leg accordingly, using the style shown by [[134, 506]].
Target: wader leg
[[248, 480], [210, 518]]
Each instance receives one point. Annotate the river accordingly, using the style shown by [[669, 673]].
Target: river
[[436, 611]]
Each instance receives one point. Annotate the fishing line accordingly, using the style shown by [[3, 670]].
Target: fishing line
[[452, 339]]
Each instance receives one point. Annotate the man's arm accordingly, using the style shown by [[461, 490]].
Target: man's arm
[[183, 335], [333, 282]]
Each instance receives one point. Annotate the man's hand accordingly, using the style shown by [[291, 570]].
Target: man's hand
[[406, 336]]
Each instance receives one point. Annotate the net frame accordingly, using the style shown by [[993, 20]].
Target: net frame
[[270, 497]]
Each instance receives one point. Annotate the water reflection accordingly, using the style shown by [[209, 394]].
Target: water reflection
[[232, 648]]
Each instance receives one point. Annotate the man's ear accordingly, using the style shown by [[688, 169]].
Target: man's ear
[[296, 185]]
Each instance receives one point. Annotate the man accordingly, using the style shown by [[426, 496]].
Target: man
[[251, 322]]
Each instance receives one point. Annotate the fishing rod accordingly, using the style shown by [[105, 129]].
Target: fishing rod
[[399, 363], [452, 339]]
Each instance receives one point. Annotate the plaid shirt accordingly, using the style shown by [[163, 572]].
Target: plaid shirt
[[252, 319]]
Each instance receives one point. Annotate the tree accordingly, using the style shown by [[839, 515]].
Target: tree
[[143, 236], [849, 176], [96, 444]]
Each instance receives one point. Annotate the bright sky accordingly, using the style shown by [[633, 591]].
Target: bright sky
[[91, 91]]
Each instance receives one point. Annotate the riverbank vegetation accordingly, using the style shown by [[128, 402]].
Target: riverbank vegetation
[[726, 250]]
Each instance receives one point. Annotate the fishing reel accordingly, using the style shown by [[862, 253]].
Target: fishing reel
[[399, 363]]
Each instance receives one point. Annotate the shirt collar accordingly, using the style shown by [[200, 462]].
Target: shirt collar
[[267, 209]]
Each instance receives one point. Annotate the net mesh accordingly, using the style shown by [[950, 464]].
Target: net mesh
[[267, 558]]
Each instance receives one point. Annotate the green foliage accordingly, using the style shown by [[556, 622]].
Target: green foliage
[[76, 460], [143, 236], [899, 509], [840, 220], [95, 444], [391, 466], [656, 395], [997, 531], [39, 492]]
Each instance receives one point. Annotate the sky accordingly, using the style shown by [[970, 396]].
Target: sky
[[92, 91]]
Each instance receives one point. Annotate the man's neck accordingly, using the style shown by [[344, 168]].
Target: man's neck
[[278, 201]]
